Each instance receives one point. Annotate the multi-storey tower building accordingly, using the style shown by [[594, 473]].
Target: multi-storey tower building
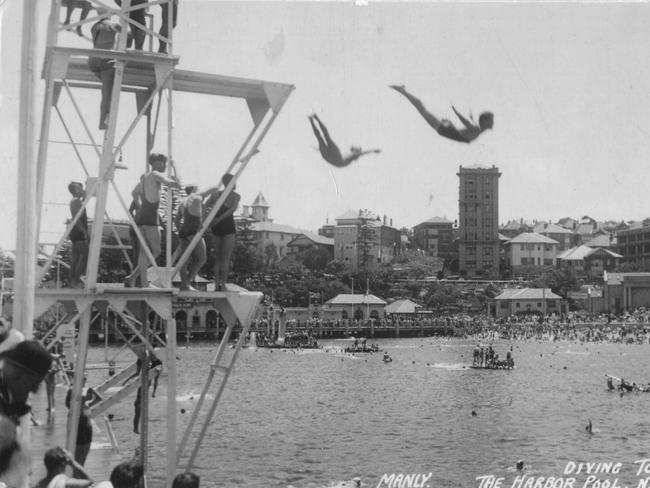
[[478, 209]]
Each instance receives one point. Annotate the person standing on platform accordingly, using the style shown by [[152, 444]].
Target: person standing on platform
[[164, 24], [72, 5], [136, 35], [223, 230], [147, 191], [78, 235], [104, 35], [188, 222]]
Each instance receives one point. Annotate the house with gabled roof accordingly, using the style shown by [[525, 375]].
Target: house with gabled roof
[[530, 249], [513, 301], [309, 240], [564, 237], [589, 261], [359, 307]]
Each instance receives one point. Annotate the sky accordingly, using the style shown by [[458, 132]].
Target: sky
[[568, 83]]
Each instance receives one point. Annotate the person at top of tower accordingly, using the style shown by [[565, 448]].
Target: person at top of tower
[[146, 194], [72, 5], [104, 35], [328, 148], [164, 24], [136, 34], [78, 235], [470, 130]]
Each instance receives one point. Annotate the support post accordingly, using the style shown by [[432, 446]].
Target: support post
[[171, 401]]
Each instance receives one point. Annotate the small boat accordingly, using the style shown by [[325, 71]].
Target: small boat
[[624, 385], [492, 366]]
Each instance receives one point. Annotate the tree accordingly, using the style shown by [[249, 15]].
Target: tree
[[270, 255], [365, 241], [314, 258]]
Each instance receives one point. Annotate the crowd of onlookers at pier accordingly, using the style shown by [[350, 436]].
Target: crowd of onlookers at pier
[[627, 327]]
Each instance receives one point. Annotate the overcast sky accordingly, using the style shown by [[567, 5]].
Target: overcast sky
[[569, 85]]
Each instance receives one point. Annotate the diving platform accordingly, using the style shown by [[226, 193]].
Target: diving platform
[[141, 70]]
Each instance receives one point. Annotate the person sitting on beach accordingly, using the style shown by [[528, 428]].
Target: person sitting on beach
[[186, 480], [445, 127], [328, 148], [56, 461]]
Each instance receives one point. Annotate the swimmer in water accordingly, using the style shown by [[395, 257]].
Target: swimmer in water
[[588, 428], [387, 358]]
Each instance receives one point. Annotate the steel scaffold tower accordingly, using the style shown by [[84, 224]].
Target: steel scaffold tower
[[148, 76]]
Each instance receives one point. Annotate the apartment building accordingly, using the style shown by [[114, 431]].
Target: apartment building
[[479, 220]]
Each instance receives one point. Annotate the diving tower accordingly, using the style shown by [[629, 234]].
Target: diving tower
[[150, 77]]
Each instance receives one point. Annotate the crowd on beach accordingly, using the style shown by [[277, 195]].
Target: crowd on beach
[[629, 327]]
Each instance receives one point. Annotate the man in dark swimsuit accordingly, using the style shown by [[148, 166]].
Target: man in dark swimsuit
[[223, 230], [147, 193], [328, 148], [78, 235], [445, 127]]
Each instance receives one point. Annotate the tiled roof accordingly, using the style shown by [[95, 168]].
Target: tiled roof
[[527, 294], [401, 306], [546, 228], [271, 227], [317, 239], [581, 252], [531, 238], [577, 253], [437, 220], [350, 214], [348, 299], [599, 241]]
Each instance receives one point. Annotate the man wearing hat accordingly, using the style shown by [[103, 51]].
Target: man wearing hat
[[22, 369]]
